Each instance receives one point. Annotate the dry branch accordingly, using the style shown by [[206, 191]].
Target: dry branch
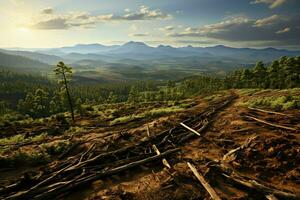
[[148, 131], [268, 111], [190, 129], [236, 178], [205, 184], [164, 161], [271, 124], [232, 153]]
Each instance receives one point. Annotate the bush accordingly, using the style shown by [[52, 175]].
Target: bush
[[280, 103]]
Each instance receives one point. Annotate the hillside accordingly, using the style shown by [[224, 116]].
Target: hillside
[[22, 64], [109, 150], [138, 61]]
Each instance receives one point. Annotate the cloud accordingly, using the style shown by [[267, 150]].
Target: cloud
[[195, 41], [241, 29], [211, 28], [272, 3], [139, 34], [47, 11], [48, 20], [285, 30], [167, 28], [54, 23], [267, 21], [57, 22], [143, 14]]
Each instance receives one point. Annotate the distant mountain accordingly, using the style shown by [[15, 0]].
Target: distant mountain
[[23, 64], [133, 58], [49, 59], [142, 51], [79, 48]]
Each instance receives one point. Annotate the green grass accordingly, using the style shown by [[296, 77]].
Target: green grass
[[124, 119], [278, 103], [20, 138], [155, 112], [25, 158]]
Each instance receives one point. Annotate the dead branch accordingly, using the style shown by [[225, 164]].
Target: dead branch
[[205, 184], [148, 131], [268, 111], [164, 161], [271, 124], [190, 129], [236, 178], [187, 137], [232, 153]]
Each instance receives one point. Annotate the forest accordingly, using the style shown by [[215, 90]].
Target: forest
[[151, 139], [40, 96]]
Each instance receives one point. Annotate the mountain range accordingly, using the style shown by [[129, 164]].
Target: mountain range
[[132, 58]]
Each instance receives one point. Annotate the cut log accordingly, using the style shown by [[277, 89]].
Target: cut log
[[190, 129], [271, 197], [148, 131], [164, 161], [205, 184], [268, 111], [187, 137], [106, 172], [271, 124], [236, 178]]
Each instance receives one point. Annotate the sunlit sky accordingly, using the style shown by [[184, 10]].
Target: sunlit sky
[[238, 23]]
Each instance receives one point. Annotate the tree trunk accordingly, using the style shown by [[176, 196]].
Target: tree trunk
[[69, 98]]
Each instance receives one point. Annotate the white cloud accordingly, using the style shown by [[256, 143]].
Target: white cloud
[[272, 3], [138, 34], [267, 21], [241, 29], [48, 20], [167, 28], [285, 30]]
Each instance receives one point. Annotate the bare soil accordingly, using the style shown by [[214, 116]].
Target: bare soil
[[272, 158]]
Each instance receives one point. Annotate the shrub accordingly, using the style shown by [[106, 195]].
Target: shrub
[[276, 103]]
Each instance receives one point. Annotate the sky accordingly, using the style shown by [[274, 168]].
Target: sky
[[236, 23]]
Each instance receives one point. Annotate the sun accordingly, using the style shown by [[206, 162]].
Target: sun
[[24, 30]]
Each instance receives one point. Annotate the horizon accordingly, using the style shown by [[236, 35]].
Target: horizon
[[153, 46], [239, 24]]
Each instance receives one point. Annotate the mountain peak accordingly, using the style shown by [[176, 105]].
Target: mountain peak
[[133, 43]]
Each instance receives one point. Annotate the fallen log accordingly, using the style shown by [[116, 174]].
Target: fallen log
[[106, 172], [148, 131], [271, 124], [271, 197], [232, 153], [268, 111], [236, 178], [190, 129], [187, 137], [205, 184]]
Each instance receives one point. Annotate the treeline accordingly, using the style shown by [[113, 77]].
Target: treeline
[[281, 74], [41, 97]]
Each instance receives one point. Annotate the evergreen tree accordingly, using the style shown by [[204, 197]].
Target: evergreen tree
[[64, 73]]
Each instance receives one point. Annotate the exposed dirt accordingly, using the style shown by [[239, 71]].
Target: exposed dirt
[[272, 158]]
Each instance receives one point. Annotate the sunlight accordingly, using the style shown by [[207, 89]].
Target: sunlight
[[24, 30]]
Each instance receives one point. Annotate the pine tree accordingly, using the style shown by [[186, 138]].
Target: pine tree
[[64, 73]]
